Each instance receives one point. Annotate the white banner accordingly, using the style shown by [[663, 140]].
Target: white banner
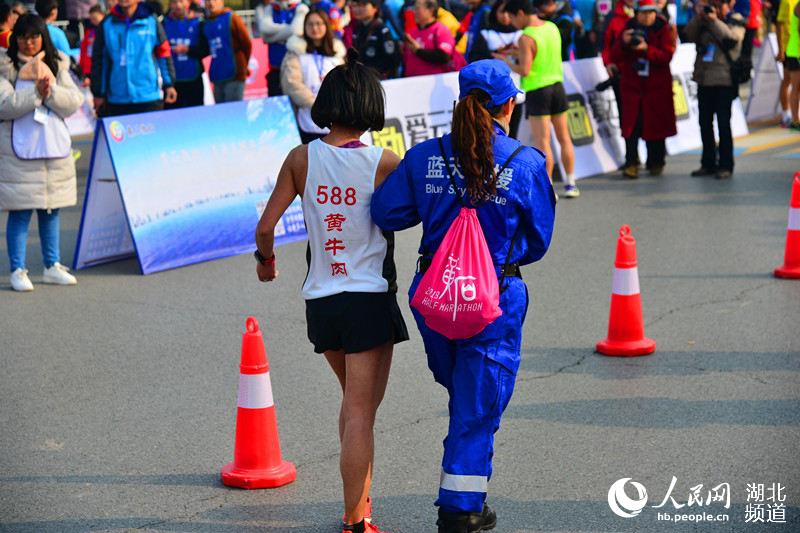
[[417, 109], [763, 103], [686, 112], [421, 108]]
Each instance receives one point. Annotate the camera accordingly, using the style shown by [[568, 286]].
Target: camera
[[605, 85], [637, 37], [708, 10]]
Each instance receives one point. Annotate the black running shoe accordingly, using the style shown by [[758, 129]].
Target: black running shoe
[[703, 171]]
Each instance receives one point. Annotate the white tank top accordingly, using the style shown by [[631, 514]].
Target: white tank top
[[347, 248]]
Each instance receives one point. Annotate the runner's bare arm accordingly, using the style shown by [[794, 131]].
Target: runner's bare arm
[[389, 161], [281, 198], [527, 52]]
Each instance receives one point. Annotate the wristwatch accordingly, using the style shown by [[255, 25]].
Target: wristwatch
[[263, 260]]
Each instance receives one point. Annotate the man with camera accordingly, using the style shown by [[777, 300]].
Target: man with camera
[[643, 53], [718, 33]]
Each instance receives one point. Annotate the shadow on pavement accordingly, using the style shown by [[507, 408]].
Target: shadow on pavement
[[584, 361]]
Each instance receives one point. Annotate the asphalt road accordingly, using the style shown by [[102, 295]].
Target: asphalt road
[[118, 396]]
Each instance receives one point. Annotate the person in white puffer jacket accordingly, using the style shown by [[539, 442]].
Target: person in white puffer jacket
[[308, 60], [37, 170]]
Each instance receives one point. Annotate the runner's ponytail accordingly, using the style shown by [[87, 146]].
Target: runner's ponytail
[[473, 144]]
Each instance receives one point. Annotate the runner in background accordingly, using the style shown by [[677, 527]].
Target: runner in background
[[184, 34], [508, 186], [542, 80], [787, 92], [350, 290]]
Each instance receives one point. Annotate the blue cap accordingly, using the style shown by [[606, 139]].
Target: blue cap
[[491, 76]]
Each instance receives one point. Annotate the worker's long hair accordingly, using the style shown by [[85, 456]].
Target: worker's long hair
[[473, 144]]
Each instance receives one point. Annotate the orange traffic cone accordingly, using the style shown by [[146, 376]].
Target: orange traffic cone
[[625, 324], [257, 462], [791, 258]]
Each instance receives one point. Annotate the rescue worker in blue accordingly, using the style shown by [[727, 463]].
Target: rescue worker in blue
[[183, 34], [516, 210], [130, 50], [226, 39]]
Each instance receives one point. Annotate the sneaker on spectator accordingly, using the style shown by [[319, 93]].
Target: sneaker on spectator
[[58, 274], [656, 171], [20, 281], [571, 191], [794, 126]]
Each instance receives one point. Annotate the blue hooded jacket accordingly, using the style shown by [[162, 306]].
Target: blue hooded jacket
[[128, 55]]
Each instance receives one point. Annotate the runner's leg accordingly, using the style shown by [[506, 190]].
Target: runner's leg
[[794, 95], [366, 376], [565, 142], [540, 128]]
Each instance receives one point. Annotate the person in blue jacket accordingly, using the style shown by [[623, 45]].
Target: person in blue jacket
[[507, 184], [183, 33], [48, 10], [130, 51]]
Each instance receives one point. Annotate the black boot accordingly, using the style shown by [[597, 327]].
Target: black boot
[[467, 522]]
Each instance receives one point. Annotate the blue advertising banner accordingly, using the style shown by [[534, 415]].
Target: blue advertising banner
[[184, 186]]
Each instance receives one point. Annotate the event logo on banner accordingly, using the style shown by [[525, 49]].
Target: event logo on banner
[[411, 119], [680, 101], [391, 137], [188, 185], [578, 121]]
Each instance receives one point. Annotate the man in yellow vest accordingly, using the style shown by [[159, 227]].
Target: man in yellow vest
[[539, 65]]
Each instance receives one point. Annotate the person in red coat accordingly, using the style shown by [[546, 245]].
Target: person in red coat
[[643, 53], [623, 12]]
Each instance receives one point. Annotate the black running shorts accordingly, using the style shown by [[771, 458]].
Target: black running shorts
[[791, 64], [550, 100], [354, 321]]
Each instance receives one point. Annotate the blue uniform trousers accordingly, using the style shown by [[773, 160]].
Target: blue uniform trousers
[[479, 375]]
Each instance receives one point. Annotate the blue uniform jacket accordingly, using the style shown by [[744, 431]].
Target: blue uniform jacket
[[419, 191], [184, 31], [127, 57]]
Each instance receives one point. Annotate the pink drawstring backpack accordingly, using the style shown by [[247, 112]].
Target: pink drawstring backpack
[[459, 294]]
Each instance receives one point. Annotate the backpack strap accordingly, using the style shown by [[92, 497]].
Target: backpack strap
[[460, 198], [450, 174]]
